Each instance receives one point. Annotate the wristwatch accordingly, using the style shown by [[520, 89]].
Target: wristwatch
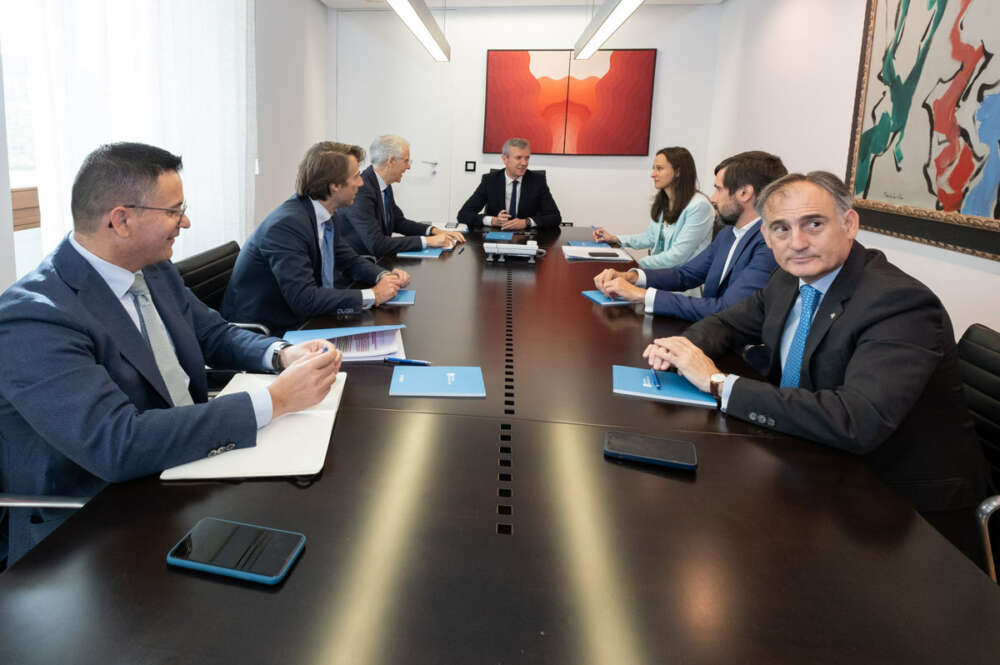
[[276, 363], [715, 386]]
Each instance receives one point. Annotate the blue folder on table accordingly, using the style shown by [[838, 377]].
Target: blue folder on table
[[429, 253], [499, 235], [587, 243], [437, 381], [297, 336], [404, 297], [603, 300], [636, 381]]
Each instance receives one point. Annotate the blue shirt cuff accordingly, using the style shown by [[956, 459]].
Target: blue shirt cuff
[[263, 409]]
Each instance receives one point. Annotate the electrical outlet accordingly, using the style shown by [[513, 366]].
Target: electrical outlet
[[470, 167]]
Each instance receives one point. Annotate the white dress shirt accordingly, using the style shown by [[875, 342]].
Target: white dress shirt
[[508, 190], [791, 325], [120, 280], [322, 215]]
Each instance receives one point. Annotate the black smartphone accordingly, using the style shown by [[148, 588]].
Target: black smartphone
[[673, 453], [235, 549], [603, 254]]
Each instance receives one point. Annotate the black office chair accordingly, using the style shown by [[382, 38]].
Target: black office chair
[[207, 275], [979, 360]]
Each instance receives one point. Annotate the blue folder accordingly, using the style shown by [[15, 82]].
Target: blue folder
[[603, 300], [588, 243], [297, 336], [636, 381], [437, 381], [499, 235], [429, 253], [404, 297]]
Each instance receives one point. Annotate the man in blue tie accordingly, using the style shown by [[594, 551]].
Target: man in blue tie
[[284, 274], [369, 223], [862, 356], [737, 263]]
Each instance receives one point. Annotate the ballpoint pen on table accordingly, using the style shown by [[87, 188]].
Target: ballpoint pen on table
[[462, 249], [406, 361]]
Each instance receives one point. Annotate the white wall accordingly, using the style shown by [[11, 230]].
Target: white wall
[[7, 270], [786, 84], [294, 61], [387, 83]]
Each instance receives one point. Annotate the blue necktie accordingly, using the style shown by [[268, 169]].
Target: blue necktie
[[793, 363], [327, 253], [512, 209], [387, 203]]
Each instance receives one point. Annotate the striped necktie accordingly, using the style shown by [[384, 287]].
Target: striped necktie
[[327, 254]]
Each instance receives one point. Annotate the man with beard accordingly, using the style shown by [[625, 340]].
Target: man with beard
[[737, 263]]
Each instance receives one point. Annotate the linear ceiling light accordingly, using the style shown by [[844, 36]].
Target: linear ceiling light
[[608, 18], [421, 23]]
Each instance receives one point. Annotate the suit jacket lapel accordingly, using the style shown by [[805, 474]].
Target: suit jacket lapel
[[786, 291], [97, 298], [498, 192], [186, 344], [744, 242], [718, 262], [316, 256]]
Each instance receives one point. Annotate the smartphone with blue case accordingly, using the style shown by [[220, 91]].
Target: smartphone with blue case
[[236, 549]]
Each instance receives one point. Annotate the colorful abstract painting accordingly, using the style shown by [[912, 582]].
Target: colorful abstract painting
[[599, 106], [927, 130]]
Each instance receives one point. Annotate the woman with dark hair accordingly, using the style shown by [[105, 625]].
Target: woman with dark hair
[[681, 216]]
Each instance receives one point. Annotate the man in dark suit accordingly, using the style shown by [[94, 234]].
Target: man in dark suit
[[737, 263], [103, 350], [285, 272], [514, 198], [368, 223], [862, 356]]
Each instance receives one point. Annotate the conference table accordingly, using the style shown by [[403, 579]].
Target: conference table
[[494, 530]]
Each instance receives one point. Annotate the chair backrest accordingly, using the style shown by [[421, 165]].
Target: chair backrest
[[208, 273], [979, 360]]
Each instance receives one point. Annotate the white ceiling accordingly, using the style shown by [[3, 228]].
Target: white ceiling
[[438, 4]]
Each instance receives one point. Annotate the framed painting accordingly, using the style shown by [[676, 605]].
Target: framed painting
[[599, 106], [924, 162]]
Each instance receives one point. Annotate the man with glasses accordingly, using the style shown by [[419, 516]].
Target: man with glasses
[[368, 224], [104, 349], [285, 273]]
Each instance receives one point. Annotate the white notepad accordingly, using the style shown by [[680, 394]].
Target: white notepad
[[594, 254], [291, 445]]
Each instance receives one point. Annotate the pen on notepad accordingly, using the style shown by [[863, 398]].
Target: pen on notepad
[[656, 381], [462, 249], [406, 361]]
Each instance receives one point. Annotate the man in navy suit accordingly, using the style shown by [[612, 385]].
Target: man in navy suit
[[513, 198], [104, 350], [737, 263], [285, 273], [368, 224], [862, 357]]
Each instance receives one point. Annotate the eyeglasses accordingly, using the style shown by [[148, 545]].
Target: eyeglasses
[[180, 212]]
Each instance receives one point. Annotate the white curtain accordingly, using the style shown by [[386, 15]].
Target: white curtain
[[178, 74]]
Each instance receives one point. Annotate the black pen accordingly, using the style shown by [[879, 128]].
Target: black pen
[[461, 250]]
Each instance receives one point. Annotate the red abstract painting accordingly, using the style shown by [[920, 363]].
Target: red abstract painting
[[599, 106]]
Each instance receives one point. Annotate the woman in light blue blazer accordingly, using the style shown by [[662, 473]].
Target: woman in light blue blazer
[[681, 216]]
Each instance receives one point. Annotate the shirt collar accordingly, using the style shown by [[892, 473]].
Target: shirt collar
[[119, 279], [322, 214], [739, 233], [381, 183], [823, 283], [509, 179]]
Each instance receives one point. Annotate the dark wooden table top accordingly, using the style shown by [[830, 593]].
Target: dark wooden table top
[[449, 531]]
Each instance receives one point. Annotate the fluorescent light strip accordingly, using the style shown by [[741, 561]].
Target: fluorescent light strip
[[608, 19], [421, 23]]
